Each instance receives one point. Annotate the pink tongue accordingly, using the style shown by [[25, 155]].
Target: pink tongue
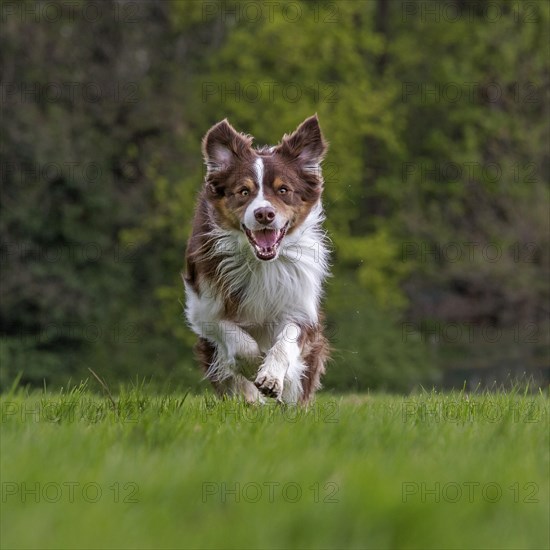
[[266, 238]]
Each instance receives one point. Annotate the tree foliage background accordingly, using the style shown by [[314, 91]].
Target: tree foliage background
[[436, 181]]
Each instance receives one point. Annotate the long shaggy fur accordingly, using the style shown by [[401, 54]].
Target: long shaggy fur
[[254, 300]]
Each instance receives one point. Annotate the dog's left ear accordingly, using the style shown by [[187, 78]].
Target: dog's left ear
[[305, 145]]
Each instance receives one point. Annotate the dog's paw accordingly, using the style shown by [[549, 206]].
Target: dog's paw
[[247, 390], [269, 384]]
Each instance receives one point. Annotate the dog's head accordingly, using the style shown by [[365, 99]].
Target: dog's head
[[266, 193]]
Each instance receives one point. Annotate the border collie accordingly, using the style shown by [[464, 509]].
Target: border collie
[[255, 265]]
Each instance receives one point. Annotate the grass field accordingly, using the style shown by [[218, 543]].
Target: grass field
[[144, 470]]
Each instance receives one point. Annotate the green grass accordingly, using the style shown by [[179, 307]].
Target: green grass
[[374, 471]]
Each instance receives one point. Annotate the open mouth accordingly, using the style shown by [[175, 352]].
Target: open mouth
[[266, 241]]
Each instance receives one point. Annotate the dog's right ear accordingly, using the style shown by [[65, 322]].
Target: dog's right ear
[[222, 144]]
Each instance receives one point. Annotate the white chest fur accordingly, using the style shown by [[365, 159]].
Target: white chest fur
[[287, 288], [268, 294]]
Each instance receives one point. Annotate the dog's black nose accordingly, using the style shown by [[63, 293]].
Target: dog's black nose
[[264, 215]]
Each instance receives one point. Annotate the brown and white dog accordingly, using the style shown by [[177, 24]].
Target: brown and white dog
[[255, 265]]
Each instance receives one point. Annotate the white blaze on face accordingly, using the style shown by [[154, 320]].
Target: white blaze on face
[[259, 169], [259, 201]]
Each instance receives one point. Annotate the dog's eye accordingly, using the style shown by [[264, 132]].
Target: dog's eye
[[244, 192], [282, 190]]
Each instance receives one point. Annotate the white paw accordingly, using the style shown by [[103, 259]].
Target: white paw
[[269, 384]]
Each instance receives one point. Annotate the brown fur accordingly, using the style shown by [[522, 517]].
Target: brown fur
[[315, 351]]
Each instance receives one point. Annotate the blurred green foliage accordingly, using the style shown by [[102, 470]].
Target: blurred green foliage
[[421, 112]]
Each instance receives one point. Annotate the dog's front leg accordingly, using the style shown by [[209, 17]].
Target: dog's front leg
[[280, 374], [234, 351], [234, 342]]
